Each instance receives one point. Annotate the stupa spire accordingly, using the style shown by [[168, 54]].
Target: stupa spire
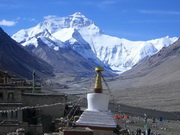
[[97, 116], [98, 82]]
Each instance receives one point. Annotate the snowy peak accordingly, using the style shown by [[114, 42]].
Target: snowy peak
[[70, 35], [83, 36], [72, 38], [163, 42], [25, 35], [53, 24], [78, 20], [78, 14]]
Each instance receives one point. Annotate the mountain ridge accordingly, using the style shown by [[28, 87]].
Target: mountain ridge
[[18, 61], [110, 52], [161, 68]]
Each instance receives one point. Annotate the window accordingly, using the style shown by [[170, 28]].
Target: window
[[1, 95], [10, 96]]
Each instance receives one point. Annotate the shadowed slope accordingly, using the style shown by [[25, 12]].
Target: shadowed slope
[[16, 60]]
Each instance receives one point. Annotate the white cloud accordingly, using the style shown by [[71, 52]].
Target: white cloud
[[32, 20], [50, 17], [29, 19], [26, 19], [7, 23], [154, 21], [159, 12]]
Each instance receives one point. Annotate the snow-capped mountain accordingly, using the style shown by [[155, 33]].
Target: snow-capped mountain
[[16, 60], [61, 59], [83, 36]]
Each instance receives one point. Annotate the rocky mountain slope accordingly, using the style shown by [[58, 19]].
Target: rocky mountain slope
[[64, 60], [153, 83], [80, 34], [162, 67], [15, 59]]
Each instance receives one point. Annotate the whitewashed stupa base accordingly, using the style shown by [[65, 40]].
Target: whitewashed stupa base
[[97, 113]]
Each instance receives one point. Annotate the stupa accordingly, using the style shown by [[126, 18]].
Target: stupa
[[97, 116]]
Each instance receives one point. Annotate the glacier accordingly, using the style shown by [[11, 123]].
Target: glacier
[[83, 36]]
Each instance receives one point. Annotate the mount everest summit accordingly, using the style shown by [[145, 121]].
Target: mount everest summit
[[75, 41]]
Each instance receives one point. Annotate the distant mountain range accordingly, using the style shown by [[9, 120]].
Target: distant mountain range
[[153, 83], [74, 43], [162, 68], [17, 60]]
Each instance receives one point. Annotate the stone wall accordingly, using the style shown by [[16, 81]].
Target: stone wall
[[46, 99], [10, 95], [76, 131], [103, 132], [29, 129]]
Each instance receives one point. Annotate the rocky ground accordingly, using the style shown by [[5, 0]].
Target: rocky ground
[[165, 127]]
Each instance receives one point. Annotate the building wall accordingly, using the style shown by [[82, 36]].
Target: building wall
[[39, 99], [32, 130], [86, 132], [35, 130], [11, 116], [4, 129], [9, 100], [76, 133], [103, 132], [10, 96]]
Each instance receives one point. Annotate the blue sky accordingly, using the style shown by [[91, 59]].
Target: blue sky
[[130, 19]]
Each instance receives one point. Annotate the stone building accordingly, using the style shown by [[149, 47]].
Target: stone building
[[16, 94], [5, 77]]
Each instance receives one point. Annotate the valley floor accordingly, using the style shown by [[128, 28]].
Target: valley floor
[[164, 97]]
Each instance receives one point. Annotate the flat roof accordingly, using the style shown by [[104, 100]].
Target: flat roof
[[43, 94]]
